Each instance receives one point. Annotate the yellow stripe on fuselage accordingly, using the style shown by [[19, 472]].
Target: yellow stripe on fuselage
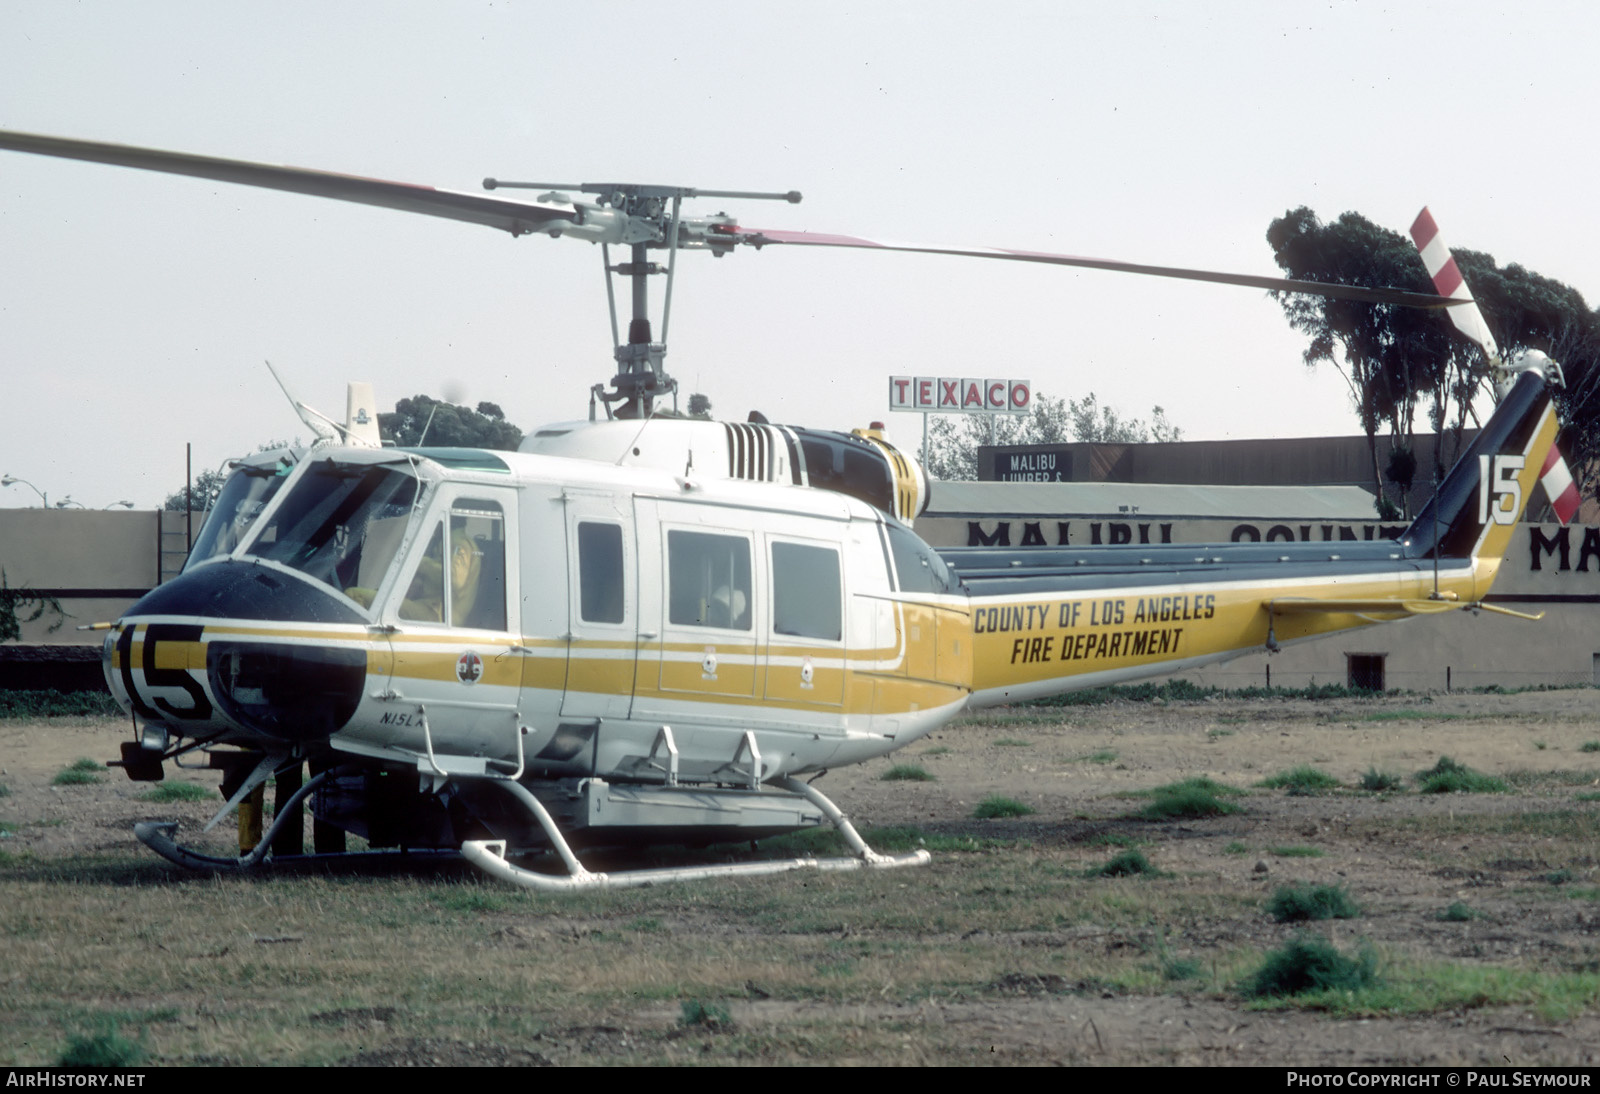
[[1054, 637]]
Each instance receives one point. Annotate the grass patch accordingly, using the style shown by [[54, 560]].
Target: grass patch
[[1303, 779], [1589, 796], [1301, 903], [1457, 913], [1381, 782], [1197, 797], [1013, 742], [906, 773], [1296, 852], [165, 792], [1311, 964], [82, 772], [1236, 847], [1408, 715], [1449, 777], [937, 750], [5, 791], [1104, 756], [996, 806], [698, 1014], [473, 898], [1128, 864], [1589, 746], [1182, 968]]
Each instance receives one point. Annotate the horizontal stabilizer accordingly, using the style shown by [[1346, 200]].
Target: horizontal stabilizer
[[1398, 606]]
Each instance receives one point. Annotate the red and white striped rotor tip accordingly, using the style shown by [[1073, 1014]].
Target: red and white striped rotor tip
[[1447, 281]]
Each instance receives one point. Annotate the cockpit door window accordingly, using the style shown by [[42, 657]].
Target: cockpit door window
[[460, 580]]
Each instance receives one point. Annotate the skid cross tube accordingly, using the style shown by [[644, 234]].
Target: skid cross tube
[[490, 855]]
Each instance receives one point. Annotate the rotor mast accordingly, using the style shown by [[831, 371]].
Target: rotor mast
[[650, 217]]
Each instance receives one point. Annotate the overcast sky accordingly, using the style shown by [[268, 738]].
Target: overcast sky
[[136, 309]]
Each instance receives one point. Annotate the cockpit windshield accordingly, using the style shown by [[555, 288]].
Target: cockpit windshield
[[341, 524], [241, 501]]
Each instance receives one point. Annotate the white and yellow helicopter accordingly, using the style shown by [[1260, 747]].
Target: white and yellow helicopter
[[647, 628]]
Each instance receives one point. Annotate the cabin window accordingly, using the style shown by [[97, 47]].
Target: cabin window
[[600, 577], [461, 578], [805, 591], [708, 580], [918, 567], [340, 524]]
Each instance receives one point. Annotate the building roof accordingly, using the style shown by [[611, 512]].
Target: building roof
[[1125, 500]]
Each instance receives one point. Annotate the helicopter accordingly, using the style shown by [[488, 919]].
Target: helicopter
[[646, 628]]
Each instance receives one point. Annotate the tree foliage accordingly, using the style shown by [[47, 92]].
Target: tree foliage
[[1397, 359], [19, 606], [953, 439], [207, 486], [452, 426]]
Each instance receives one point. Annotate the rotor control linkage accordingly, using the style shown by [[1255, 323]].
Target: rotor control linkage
[[641, 216]]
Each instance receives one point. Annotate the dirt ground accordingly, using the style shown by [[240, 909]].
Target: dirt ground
[[1535, 892]]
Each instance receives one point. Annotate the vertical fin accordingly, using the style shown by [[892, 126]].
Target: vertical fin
[[1481, 500], [361, 415]]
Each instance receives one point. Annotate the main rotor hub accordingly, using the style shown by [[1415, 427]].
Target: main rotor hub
[[641, 216]]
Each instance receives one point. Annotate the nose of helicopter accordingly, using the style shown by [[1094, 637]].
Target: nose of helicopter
[[290, 684]]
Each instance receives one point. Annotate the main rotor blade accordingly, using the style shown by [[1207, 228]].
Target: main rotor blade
[[760, 238], [515, 217]]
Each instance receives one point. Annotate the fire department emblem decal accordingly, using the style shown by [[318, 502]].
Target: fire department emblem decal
[[469, 667]]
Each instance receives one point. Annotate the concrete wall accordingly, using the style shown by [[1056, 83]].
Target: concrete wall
[[95, 562]]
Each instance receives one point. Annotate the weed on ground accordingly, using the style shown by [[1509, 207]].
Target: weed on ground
[[1299, 903], [1449, 777], [996, 806], [1128, 864], [1197, 797], [82, 772], [1381, 782], [165, 792], [906, 773], [1309, 963], [108, 1049], [1303, 779]]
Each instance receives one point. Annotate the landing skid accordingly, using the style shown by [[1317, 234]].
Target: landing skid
[[490, 855], [158, 836]]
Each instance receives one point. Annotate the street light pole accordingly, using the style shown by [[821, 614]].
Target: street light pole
[[10, 479]]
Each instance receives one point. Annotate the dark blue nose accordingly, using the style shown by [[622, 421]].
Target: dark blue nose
[[292, 691], [295, 688], [232, 589]]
